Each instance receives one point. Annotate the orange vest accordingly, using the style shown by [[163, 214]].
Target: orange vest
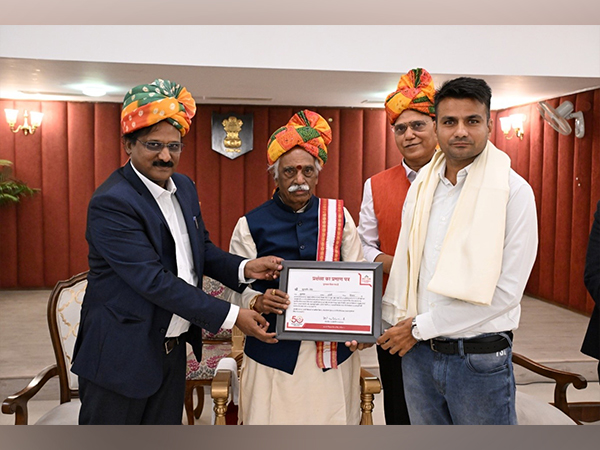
[[389, 191]]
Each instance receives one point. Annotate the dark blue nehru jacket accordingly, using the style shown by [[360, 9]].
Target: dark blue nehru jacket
[[278, 230]]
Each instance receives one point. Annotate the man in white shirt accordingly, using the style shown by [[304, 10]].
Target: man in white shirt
[[411, 114], [469, 241], [148, 251]]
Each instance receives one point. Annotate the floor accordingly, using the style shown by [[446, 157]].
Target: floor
[[548, 334]]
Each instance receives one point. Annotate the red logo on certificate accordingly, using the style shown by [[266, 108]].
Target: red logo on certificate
[[365, 280], [296, 321]]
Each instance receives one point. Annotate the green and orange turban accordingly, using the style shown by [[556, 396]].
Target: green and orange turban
[[306, 129], [147, 104], [415, 91]]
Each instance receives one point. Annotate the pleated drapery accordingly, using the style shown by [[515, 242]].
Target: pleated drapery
[[42, 239]]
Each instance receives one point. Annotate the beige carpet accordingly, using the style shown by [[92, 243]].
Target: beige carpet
[[548, 334]]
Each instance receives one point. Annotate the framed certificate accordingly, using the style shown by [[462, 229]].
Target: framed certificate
[[331, 301]]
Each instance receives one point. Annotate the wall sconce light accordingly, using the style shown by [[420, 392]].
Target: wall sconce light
[[514, 122], [11, 118]]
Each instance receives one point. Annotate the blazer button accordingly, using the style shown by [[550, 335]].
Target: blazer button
[[163, 330], [299, 224], [302, 247]]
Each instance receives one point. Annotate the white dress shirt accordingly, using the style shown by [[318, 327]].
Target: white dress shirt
[[169, 206], [449, 317], [367, 225]]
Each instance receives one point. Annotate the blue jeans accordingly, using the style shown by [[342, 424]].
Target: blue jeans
[[461, 389]]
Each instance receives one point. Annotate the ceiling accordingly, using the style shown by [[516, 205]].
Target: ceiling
[[39, 79]]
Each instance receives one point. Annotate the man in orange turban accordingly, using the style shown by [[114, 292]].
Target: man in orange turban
[[415, 91], [296, 225], [410, 111], [148, 251], [307, 130], [147, 104]]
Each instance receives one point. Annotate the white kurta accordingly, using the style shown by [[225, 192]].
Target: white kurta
[[310, 396]]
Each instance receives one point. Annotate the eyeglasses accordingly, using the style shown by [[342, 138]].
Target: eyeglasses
[[156, 146], [415, 125]]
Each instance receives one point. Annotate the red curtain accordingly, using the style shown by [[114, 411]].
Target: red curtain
[[42, 239], [564, 172], [78, 146]]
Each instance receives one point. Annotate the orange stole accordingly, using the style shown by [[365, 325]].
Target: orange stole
[[329, 248], [389, 191]]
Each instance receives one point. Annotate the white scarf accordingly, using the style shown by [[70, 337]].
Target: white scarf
[[470, 260]]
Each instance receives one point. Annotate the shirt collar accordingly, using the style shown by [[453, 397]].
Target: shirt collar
[[460, 176], [410, 173], [154, 188]]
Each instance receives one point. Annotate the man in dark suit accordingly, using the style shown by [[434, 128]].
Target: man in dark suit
[[148, 250], [591, 342]]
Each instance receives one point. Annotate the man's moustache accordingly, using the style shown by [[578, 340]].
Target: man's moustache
[[163, 163], [298, 187]]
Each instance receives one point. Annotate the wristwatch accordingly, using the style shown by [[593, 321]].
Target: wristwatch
[[414, 330]]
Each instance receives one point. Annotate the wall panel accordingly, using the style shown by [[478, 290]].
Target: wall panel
[[593, 134], [548, 210], [564, 214], [55, 192], [80, 137], [374, 126], [208, 167], [28, 166], [231, 185], [536, 160], [581, 185], [351, 165], [107, 142], [8, 212], [256, 177]]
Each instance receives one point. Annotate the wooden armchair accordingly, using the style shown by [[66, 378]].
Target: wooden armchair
[[579, 412], [64, 308], [222, 384], [225, 343]]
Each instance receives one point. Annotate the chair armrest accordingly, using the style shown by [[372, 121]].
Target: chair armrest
[[369, 383], [17, 403], [563, 379], [219, 391], [369, 386]]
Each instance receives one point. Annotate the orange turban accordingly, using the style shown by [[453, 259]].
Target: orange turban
[[306, 129], [147, 104], [415, 91]]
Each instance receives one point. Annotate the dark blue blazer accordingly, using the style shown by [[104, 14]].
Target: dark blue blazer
[[133, 289], [591, 342]]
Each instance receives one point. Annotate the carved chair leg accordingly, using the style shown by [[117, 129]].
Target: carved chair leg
[[366, 409], [189, 403], [220, 394], [198, 409], [220, 411]]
